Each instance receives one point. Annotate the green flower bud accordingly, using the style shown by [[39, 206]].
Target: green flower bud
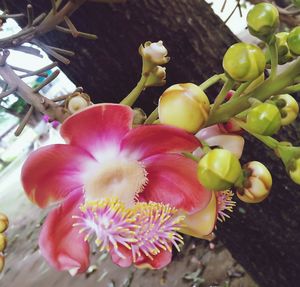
[[262, 20], [184, 106], [288, 107], [257, 184], [219, 169], [293, 41], [281, 41], [244, 62], [294, 170], [264, 119]]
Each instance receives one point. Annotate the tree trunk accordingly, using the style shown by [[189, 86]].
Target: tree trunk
[[263, 237]]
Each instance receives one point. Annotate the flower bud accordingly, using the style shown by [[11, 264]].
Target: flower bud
[[184, 106], [157, 77], [264, 119], [155, 53], [281, 41], [219, 169], [244, 62], [257, 184], [2, 262], [77, 102], [3, 242], [288, 107], [293, 41], [3, 222], [294, 170], [262, 20]]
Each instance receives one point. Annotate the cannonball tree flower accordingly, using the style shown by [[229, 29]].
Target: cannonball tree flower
[[129, 189]]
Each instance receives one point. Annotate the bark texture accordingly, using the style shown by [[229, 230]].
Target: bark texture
[[264, 237]]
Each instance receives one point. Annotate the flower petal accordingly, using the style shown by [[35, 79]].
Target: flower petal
[[125, 260], [159, 261], [99, 128], [148, 140], [233, 143], [53, 172], [60, 243], [208, 132], [173, 180], [202, 223]]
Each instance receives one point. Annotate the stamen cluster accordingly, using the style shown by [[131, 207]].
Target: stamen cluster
[[224, 203], [145, 229]]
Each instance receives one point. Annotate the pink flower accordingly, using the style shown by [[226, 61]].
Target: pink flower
[[129, 189], [217, 136]]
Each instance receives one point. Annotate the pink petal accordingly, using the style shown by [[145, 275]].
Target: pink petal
[[233, 143], [173, 180], [125, 260], [206, 133], [60, 243], [53, 172], [148, 140], [98, 128], [159, 261]]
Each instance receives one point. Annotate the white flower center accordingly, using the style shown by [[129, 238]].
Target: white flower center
[[119, 178]]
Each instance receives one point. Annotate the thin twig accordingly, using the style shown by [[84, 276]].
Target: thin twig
[[8, 92], [24, 121], [80, 34], [4, 56], [29, 15], [223, 6], [62, 51], [54, 9], [51, 52], [40, 71], [39, 19], [60, 98], [28, 72], [28, 50], [72, 27], [14, 16], [47, 81]]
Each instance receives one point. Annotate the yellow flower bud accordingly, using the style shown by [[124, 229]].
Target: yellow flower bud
[[2, 262], [184, 106], [258, 183], [3, 222], [288, 107], [77, 102], [3, 242]]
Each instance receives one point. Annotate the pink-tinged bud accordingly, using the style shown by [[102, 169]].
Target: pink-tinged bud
[[231, 127], [2, 262], [77, 102], [184, 106], [257, 184], [3, 242], [3, 222], [155, 53]]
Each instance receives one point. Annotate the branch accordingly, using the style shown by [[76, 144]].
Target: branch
[[24, 121], [32, 97]]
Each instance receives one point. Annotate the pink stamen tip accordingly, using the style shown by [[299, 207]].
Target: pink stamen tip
[[224, 203]]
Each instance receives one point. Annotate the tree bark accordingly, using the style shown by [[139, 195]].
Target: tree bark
[[263, 237]]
